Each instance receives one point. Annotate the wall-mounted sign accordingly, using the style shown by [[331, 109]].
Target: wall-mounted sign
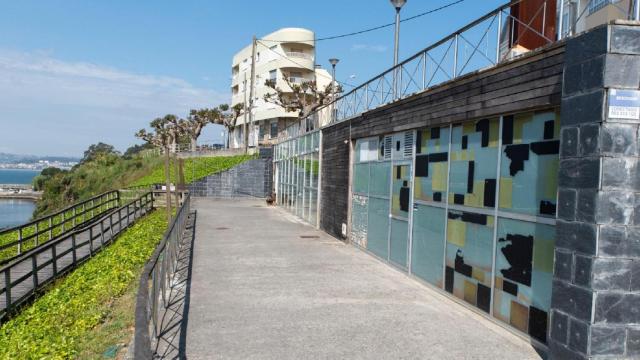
[[624, 104]]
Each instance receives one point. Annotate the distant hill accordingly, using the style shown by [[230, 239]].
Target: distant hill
[[6, 158]]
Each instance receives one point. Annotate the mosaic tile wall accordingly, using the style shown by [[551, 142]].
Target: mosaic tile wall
[[481, 213]]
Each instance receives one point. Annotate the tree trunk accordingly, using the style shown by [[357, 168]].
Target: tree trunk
[[167, 182], [176, 173], [194, 144]]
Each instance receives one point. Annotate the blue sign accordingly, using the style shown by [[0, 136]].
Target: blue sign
[[624, 104]]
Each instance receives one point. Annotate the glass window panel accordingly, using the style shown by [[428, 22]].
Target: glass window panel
[[379, 180], [428, 244], [378, 231], [529, 163], [469, 257], [359, 215], [399, 242], [313, 207], [361, 178], [432, 156], [524, 272], [474, 151], [401, 190]]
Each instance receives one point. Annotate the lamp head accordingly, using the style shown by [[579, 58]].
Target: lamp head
[[334, 61], [398, 4]]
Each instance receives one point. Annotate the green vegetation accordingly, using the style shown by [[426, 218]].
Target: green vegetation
[[194, 169], [97, 173], [84, 306]]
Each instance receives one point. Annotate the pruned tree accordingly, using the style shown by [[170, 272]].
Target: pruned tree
[[164, 135], [196, 121], [305, 98]]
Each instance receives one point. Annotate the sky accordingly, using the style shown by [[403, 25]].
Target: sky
[[75, 72]]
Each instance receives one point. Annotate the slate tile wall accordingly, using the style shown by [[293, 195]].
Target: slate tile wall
[[596, 299], [252, 178]]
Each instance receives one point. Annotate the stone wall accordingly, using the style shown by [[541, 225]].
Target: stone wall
[[252, 178], [596, 288]]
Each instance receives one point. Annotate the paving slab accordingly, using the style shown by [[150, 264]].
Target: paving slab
[[267, 286]]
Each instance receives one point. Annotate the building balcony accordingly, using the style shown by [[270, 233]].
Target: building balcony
[[300, 55]]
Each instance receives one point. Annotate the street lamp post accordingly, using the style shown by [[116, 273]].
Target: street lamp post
[[397, 4], [333, 62]]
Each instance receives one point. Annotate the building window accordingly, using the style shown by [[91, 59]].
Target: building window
[[295, 77], [274, 130], [596, 5]]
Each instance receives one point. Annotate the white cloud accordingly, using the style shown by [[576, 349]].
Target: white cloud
[[52, 106], [369, 48]]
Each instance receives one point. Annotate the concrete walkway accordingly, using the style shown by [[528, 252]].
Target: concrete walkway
[[266, 286]]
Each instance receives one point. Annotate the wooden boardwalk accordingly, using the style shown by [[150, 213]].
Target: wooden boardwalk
[[23, 277]]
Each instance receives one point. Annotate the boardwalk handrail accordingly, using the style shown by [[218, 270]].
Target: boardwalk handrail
[[23, 277], [154, 281], [48, 227]]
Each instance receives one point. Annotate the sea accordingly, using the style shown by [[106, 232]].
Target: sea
[[16, 211]]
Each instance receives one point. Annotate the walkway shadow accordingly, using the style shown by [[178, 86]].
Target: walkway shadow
[[172, 338]]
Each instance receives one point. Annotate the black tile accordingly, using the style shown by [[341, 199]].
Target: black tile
[[484, 298]]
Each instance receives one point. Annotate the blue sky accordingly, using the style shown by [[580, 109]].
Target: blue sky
[[74, 72]]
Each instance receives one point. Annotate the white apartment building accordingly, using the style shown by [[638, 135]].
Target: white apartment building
[[582, 15], [286, 52]]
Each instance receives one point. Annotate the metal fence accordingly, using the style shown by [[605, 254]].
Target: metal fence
[[14, 241], [155, 284], [23, 277], [483, 43]]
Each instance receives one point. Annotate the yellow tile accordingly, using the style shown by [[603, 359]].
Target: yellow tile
[[470, 292], [456, 232], [439, 176], [468, 128], [463, 155], [518, 123], [478, 274], [454, 156], [417, 189], [551, 181], [506, 190], [543, 255], [498, 282], [519, 316], [494, 131], [490, 221]]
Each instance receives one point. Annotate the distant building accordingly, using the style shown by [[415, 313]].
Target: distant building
[[286, 52]]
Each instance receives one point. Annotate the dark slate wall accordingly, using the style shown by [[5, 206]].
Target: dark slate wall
[[596, 287], [252, 178], [531, 82], [335, 179]]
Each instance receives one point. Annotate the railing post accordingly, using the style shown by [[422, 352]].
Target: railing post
[[560, 22], [37, 233], [424, 70], [7, 288], [455, 57], [101, 233], [73, 247], [50, 229], [90, 240], [54, 259], [34, 267], [366, 96], [63, 219], [498, 37], [544, 17], [73, 219], [19, 241]]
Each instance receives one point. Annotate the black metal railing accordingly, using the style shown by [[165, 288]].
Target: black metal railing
[[155, 283], [23, 277], [16, 240]]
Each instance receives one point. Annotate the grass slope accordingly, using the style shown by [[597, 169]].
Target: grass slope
[[194, 169], [58, 324]]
